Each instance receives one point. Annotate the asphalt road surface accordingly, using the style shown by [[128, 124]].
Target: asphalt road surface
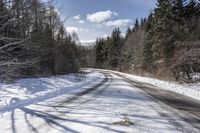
[[117, 105]]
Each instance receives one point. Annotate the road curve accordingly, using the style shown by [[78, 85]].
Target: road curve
[[115, 105], [188, 109], [87, 90]]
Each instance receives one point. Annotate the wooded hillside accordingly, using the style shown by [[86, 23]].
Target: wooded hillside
[[166, 44], [33, 40]]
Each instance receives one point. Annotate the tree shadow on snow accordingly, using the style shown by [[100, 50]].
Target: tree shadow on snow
[[57, 122]]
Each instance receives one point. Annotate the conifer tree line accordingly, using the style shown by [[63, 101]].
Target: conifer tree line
[[33, 40], [166, 44]]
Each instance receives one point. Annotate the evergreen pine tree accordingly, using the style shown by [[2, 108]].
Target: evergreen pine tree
[[178, 10], [47, 51], [136, 25], [147, 61], [115, 47], [164, 46], [128, 33], [192, 9]]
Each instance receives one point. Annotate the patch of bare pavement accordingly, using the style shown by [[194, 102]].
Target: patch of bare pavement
[[185, 108]]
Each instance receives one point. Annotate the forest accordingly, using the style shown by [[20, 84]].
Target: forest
[[34, 42], [165, 44]]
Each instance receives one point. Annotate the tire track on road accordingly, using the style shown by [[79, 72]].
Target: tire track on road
[[86, 91], [190, 108]]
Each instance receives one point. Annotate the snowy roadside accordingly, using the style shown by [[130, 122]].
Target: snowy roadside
[[32, 90], [189, 90], [115, 107]]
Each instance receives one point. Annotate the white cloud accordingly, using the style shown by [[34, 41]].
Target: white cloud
[[81, 21], [100, 16], [72, 29], [76, 29], [118, 23], [77, 17], [88, 41], [105, 35], [56, 10], [132, 26], [123, 34]]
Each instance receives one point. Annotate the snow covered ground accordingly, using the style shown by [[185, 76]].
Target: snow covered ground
[[115, 107], [32, 90], [42, 105], [189, 90]]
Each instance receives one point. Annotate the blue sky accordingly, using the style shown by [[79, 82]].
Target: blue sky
[[96, 18]]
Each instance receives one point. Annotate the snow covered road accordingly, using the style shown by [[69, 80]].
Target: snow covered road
[[112, 104]]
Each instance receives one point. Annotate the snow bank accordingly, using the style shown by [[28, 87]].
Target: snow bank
[[189, 90], [32, 90]]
